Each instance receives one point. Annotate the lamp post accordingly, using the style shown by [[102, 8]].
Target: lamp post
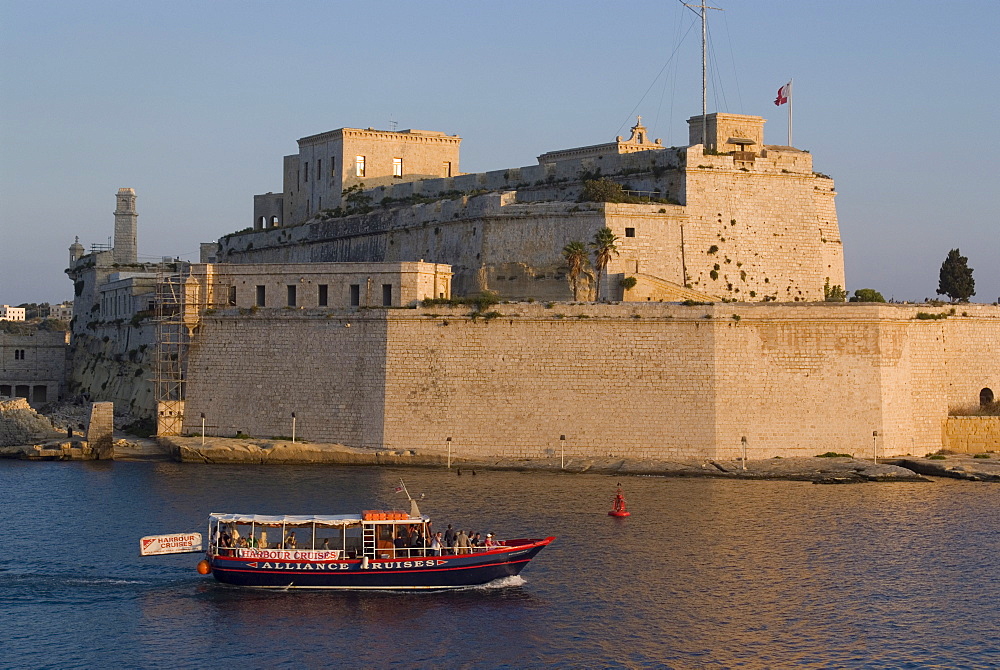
[[875, 445], [293, 427], [743, 441], [203, 429], [448, 440], [562, 452]]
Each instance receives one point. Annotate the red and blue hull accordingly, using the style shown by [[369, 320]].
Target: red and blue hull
[[415, 572]]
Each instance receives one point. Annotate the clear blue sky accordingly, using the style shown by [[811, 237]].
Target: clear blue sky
[[193, 104]]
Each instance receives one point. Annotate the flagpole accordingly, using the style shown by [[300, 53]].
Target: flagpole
[[790, 96]]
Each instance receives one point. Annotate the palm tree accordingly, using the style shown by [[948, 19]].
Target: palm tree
[[575, 254], [604, 247]]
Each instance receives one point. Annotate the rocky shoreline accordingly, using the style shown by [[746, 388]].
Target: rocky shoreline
[[232, 451]]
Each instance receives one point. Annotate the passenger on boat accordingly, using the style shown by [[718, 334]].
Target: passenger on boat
[[476, 540], [436, 545], [290, 540], [262, 542], [462, 543], [416, 543], [400, 543], [449, 539], [489, 541], [326, 544]]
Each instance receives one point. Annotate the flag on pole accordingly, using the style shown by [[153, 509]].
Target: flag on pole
[[398, 489], [783, 94]]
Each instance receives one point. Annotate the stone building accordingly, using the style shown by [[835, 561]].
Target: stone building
[[725, 217], [8, 313], [33, 365], [328, 163]]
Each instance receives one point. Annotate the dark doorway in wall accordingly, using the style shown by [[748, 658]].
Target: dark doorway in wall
[[22, 391], [261, 295], [39, 394], [387, 295], [985, 397]]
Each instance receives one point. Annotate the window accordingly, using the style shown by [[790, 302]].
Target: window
[[355, 295], [324, 296], [359, 166], [305, 171], [446, 169], [630, 232], [319, 168], [291, 294], [260, 296], [232, 295], [387, 295], [5, 390], [397, 167], [333, 166]]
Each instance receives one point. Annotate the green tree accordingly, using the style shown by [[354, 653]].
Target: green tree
[[867, 295], [955, 279], [602, 190], [575, 254], [835, 293], [604, 248]]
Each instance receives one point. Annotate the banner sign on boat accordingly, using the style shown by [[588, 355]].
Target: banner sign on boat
[[287, 554], [178, 543]]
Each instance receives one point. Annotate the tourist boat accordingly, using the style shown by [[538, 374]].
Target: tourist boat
[[349, 551]]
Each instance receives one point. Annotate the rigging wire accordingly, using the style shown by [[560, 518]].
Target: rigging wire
[[732, 57], [671, 78], [653, 83]]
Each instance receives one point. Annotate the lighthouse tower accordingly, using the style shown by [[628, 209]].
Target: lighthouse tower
[[125, 248]]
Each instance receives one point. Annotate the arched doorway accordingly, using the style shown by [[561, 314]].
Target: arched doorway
[[985, 397]]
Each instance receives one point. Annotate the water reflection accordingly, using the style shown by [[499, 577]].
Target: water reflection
[[704, 574]]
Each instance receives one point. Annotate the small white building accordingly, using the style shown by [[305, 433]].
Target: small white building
[[8, 313], [62, 312]]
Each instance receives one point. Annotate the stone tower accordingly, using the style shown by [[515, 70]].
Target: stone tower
[[75, 252], [125, 249]]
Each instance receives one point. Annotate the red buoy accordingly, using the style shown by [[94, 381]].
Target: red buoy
[[618, 505], [204, 567]]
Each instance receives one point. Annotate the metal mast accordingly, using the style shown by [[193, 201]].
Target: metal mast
[[704, 68]]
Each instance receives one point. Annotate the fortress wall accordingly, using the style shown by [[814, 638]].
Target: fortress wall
[[763, 219], [636, 379], [249, 373], [614, 386]]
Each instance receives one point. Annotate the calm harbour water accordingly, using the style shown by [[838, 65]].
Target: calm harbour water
[[706, 573]]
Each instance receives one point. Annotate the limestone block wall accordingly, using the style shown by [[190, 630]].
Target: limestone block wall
[[249, 373], [632, 380], [33, 366], [972, 434], [771, 230]]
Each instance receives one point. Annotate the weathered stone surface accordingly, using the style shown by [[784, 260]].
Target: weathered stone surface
[[20, 424], [639, 381], [819, 470], [957, 466], [100, 430]]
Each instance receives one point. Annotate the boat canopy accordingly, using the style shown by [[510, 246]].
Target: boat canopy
[[295, 520]]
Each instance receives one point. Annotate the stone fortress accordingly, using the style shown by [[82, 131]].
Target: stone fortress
[[321, 309], [735, 218]]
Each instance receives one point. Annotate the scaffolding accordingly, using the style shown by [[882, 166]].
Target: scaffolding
[[182, 298]]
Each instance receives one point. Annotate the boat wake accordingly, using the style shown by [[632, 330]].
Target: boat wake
[[504, 583]]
